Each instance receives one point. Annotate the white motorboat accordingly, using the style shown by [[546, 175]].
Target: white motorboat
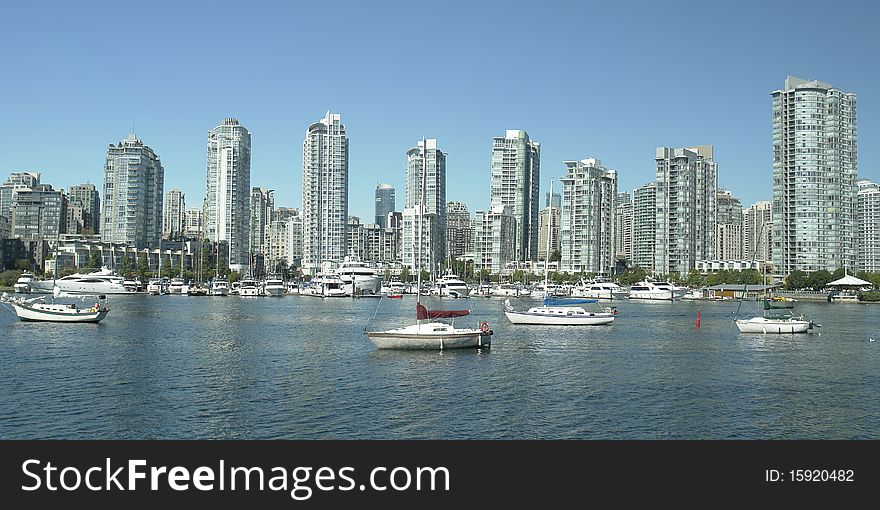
[[248, 288], [560, 312], [450, 285], [274, 286], [599, 290], [660, 291], [358, 278], [176, 286], [38, 310], [548, 290], [157, 287], [23, 284], [132, 285], [482, 290], [219, 286], [505, 290], [103, 281]]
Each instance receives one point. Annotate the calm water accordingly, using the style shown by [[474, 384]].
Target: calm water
[[301, 368]]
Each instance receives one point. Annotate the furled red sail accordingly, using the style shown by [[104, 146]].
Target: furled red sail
[[423, 313]]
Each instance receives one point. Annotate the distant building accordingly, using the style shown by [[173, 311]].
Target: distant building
[[174, 214], [134, 180], [515, 183], [39, 213], [16, 180], [193, 226], [385, 203], [869, 226], [644, 226], [459, 231], [262, 206], [227, 190], [728, 227], [686, 207], [623, 227], [426, 157], [814, 141], [587, 222], [87, 198], [325, 193], [757, 231], [548, 225], [494, 239]]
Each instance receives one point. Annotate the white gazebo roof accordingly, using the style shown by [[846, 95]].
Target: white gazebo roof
[[849, 281]]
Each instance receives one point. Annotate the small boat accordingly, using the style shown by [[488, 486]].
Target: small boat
[[560, 312], [249, 288], [394, 296], [777, 318], [450, 285], [157, 286], [176, 286], [658, 291], [598, 290], [220, 286], [432, 335], [38, 310], [274, 285], [23, 284]]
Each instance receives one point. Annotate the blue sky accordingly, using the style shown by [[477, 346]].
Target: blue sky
[[610, 80]]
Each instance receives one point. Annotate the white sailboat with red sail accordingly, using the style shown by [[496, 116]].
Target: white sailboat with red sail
[[427, 332]]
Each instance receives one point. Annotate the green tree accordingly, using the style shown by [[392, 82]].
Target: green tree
[[166, 266], [425, 275], [95, 261], [143, 267], [819, 279], [234, 276], [556, 256], [9, 277], [404, 274], [22, 265], [796, 280], [694, 279], [125, 267]]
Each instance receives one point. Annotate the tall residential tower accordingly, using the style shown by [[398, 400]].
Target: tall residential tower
[[515, 184], [227, 192]]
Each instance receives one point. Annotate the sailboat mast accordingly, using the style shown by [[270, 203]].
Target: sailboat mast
[[418, 263], [549, 232]]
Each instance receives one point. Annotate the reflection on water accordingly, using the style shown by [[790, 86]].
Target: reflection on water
[[180, 367]]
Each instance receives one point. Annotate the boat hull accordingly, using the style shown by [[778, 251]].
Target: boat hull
[[770, 326], [431, 336], [537, 319], [274, 291], [29, 314], [654, 295]]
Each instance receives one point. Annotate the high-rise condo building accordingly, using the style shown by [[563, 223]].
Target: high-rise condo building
[[728, 227], [16, 180], [174, 214], [134, 181], [427, 158], [459, 231], [194, 223], [869, 226], [385, 203], [644, 226], [758, 232], [587, 233], [87, 198], [325, 193], [227, 190], [548, 225], [494, 239], [39, 213], [686, 207], [814, 174], [623, 227], [262, 208], [515, 183]]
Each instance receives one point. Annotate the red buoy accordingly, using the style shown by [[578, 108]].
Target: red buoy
[[698, 317]]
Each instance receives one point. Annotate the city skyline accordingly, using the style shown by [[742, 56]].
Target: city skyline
[[173, 115]]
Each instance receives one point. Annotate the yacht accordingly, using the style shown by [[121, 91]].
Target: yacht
[[658, 291], [176, 286], [599, 290], [103, 281], [220, 286], [274, 285], [505, 290], [450, 285], [560, 312], [157, 287], [249, 288], [358, 278], [23, 284], [38, 310], [133, 285]]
